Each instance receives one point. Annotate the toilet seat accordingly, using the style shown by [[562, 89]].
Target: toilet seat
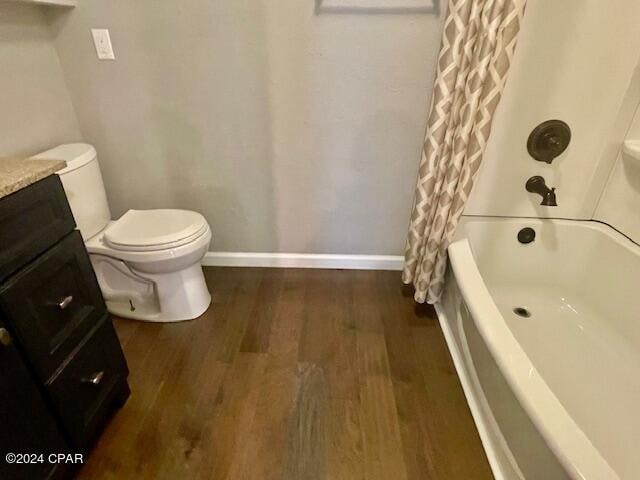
[[153, 259], [152, 230]]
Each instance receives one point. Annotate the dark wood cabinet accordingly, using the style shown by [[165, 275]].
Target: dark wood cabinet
[[86, 388], [32, 220], [53, 302], [61, 366], [27, 424]]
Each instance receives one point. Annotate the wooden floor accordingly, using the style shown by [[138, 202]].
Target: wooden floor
[[292, 375]]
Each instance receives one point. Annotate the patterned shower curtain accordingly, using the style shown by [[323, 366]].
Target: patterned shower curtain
[[478, 42]]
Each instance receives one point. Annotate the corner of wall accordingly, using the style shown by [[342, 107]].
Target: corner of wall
[[619, 201], [37, 112]]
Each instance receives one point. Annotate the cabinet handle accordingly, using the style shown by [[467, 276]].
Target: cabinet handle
[[5, 338], [65, 302], [94, 378]]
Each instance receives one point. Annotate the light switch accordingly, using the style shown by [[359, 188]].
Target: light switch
[[102, 41]]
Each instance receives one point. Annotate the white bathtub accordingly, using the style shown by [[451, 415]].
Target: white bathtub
[[555, 395]]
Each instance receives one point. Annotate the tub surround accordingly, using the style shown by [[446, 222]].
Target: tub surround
[[18, 173], [570, 76], [620, 200]]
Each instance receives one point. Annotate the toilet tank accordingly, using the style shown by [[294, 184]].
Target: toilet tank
[[82, 182]]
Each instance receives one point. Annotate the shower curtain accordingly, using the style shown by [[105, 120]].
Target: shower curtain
[[478, 42]]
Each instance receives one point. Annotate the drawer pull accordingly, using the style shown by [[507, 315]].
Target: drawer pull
[[94, 378], [5, 338], [65, 302]]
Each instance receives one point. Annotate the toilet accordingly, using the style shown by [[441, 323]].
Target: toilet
[[147, 262]]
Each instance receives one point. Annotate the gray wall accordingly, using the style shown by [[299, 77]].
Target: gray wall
[[36, 107], [289, 131]]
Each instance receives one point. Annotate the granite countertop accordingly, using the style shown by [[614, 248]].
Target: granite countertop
[[17, 173]]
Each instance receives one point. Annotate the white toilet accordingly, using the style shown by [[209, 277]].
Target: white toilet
[[148, 261]]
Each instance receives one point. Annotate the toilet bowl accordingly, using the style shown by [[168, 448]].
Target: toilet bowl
[[152, 280], [147, 262]]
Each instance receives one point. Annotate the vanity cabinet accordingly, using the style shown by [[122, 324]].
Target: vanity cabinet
[[27, 424], [61, 365]]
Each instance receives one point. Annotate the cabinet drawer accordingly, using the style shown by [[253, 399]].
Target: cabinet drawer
[[53, 303], [89, 384], [31, 220]]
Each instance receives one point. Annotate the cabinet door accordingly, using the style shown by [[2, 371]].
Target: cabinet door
[[26, 426], [53, 303], [32, 220]]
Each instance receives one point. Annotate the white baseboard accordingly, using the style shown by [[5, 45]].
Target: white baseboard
[[303, 260]]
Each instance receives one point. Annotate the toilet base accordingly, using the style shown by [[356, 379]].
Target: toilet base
[[152, 297]]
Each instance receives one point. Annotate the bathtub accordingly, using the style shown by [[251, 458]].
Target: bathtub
[[545, 337]]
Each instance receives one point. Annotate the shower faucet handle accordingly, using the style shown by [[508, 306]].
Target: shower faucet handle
[[548, 140]]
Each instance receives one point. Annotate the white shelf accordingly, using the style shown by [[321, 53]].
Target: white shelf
[[631, 148], [55, 3]]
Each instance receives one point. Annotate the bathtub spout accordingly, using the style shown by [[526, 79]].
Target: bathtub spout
[[538, 185]]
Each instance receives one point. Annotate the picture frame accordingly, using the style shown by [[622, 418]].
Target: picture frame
[[378, 6]]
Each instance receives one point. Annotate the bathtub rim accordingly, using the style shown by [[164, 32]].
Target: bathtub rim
[[565, 438], [614, 234]]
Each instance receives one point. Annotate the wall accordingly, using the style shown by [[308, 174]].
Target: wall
[[619, 205], [290, 131], [574, 61], [36, 108]]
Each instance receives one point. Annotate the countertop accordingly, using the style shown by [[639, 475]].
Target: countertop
[[17, 173]]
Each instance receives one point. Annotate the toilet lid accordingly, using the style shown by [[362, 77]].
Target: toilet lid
[[154, 229]]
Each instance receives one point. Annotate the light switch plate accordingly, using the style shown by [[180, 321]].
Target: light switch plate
[[102, 42]]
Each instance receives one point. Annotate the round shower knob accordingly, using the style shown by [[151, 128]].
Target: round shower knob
[[548, 140]]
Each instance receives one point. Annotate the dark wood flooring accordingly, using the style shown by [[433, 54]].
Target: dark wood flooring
[[292, 375]]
